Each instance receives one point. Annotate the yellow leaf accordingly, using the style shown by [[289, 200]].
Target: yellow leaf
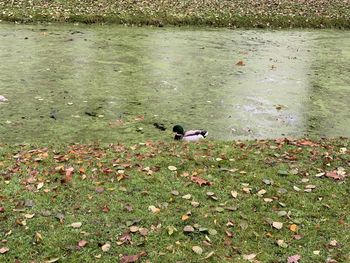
[[185, 217], [293, 228]]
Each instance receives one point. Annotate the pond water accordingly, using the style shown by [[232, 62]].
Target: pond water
[[81, 83]]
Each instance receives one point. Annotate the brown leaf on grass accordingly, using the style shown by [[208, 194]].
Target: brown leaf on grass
[[128, 208], [125, 239], [99, 189], [200, 181], [140, 118], [240, 63], [82, 243], [335, 175], [132, 258], [294, 259], [143, 231], [69, 174], [4, 250], [105, 209], [306, 143], [129, 259]]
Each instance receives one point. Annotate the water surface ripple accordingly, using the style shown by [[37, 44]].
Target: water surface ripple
[[110, 83]]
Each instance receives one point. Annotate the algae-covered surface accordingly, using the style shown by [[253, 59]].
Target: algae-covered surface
[[73, 83]]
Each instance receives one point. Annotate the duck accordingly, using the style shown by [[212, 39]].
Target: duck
[[191, 135]]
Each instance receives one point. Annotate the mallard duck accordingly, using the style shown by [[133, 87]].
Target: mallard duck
[[192, 135]]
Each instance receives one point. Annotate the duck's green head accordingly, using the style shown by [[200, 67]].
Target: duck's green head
[[178, 129]]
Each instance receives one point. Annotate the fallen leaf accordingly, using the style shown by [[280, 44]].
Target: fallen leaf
[[293, 228], [333, 243], [277, 225], [134, 229], [187, 197], [282, 213], [298, 237], [249, 257], [143, 231], [52, 260], [153, 209], [210, 254], [172, 229], [69, 174], [124, 239], [261, 192], [38, 237], [4, 250], [246, 190], [195, 204], [306, 143], [184, 217], [200, 181], [29, 216], [172, 168], [106, 247], [335, 175], [40, 185], [99, 189], [296, 188], [188, 229], [281, 243], [294, 259], [129, 259], [76, 224], [234, 194], [198, 250], [212, 196], [240, 63], [105, 209], [82, 243]]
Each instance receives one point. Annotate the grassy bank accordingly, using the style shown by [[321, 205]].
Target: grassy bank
[[233, 13], [263, 201]]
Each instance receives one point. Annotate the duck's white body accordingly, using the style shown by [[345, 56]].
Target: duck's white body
[[192, 135], [195, 135]]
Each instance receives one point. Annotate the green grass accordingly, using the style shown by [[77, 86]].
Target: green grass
[[226, 13], [98, 196]]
